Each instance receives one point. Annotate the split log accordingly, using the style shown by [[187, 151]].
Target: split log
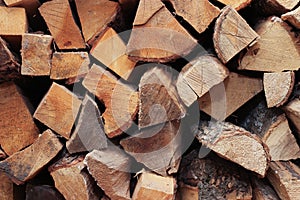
[[59, 19], [199, 14], [69, 64], [89, 133], [274, 34], [278, 94], [185, 92], [58, 110], [275, 7], [236, 4], [152, 186], [232, 34], [17, 128], [211, 102], [38, 192], [292, 110], [166, 38], [159, 101], [95, 16], [263, 191], [6, 187], [36, 54], [158, 148], [31, 6], [24, 165], [292, 17], [222, 137], [285, 178], [72, 181], [111, 51], [111, 169], [9, 66], [121, 101]]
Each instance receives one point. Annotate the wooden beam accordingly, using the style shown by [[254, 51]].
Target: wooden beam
[[185, 92], [58, 110], [292, 111], [236, 4], [292, 17]]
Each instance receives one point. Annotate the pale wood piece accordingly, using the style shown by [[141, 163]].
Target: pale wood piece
[[10, 64], [262, 190], [275, 7], [31, 6], [158, 148], [223, 137], [278, 87], [199, 14], [38, 192], [89, 133], [25, 164], [69, 64], [111, 169], [17, 128], [232, 34], [13, 21], [293, 17], [236, 4], [120, 100], [58, 110], [185, 92], [292, 111], [247, 88], [285, 178], [95, 16], [6, 187], [152, 186], [159, 101], [166, 38], [274, 34], [36, 54], [59, 19], [110, 49]]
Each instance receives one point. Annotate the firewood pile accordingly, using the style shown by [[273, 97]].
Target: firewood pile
[[149, 99]]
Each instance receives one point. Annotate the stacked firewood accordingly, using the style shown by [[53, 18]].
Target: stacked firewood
[[149, 99]]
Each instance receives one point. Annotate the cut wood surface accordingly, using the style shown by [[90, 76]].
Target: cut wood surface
[[36, 54], [237, 4], [61, 24], [95, 16], [285, 178], [159, 101], [38, 192], [262, 190], [199, 14], [278, 94], [13, 21], [185, 92], [58, 110], [292, 17], [292, 110], [6, 187], [110, 168], [166, 38], [152, 186], [69, 64], [235, 91], [274, 34], [275, 7], [158, 148], [17, 129], [222, 137], [110, 50], [120, 100], [31, 6], [232, 34], [24, 165], [89, 133]]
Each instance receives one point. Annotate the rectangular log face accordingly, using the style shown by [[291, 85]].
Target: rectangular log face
[[13, 21]]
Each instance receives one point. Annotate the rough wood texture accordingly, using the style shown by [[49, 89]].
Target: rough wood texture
[[212, 103], [152, 186], [110, 168], [262, 190], [59, 19], [110, 49], [166, 38], [38, 192], [89, 133], [223, 137], [158, 148], [69, 64], [25, 164], [199, 14], [36, 54], [285, 178], [236, 4], [6, 187], [278, 87], [159, 101], [275, 7], [17, 129], [274, 34], [185, 92], [31, 6], [120, 100], [292, 110], [58, 110], [293, 17], [232, 34], [95, 16]]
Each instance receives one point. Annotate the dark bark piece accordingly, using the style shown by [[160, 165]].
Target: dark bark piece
[[232, 34], [292, 17], [38, 192], [24, 165], [292, 110], [17, 128], [262, 190], [236, 4], [89, 133], [275, 7], [6, 187]]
